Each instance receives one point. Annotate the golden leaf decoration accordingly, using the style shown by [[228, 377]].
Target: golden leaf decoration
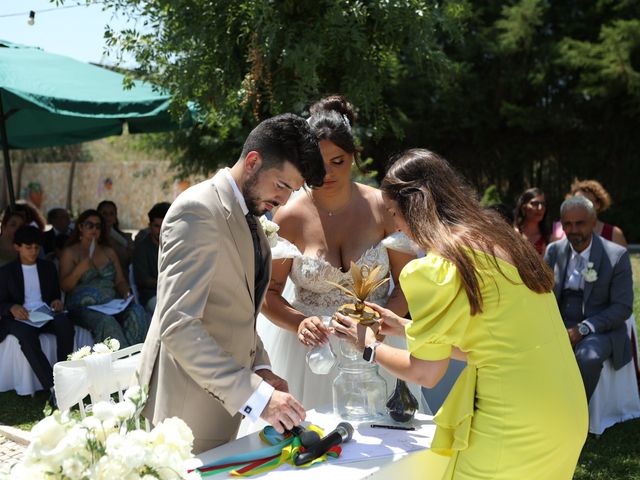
[[364, 281]]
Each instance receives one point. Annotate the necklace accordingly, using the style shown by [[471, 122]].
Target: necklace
[[336, 211]]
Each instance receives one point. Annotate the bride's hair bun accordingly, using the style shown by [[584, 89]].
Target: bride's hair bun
[[336, 103]]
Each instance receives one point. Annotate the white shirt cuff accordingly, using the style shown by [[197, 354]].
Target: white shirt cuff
[[590, 325], [261, 367], [257, 401]]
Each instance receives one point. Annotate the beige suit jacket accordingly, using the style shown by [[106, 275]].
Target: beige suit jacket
[[202, 343]]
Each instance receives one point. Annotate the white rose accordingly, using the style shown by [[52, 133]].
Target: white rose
[[104, 411], [101, 348], [81, 353], [113, 344], [269, 227], [134, 393], [49, 431], [73, 468], [124, 410]]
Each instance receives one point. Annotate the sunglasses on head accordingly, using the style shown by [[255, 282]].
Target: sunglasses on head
[[91, 225]]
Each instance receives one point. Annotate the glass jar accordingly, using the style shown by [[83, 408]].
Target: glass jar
[[321, 358], [359, 392]]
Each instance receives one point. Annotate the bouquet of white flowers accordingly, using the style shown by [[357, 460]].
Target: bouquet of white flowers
[[109, 345], [107, 446]]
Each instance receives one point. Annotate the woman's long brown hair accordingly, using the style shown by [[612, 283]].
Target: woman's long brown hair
[[444, 215]]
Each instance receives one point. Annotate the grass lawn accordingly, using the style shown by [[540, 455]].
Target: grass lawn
[[613, 456]]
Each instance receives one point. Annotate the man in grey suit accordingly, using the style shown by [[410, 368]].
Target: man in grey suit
[[203, 360], [594, 289]]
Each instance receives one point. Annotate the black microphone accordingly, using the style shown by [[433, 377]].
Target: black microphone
[[342, 434]]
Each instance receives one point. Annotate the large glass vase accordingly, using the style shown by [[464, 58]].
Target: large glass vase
[[359, 392]]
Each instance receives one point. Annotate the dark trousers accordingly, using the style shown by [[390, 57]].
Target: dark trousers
[[592, 350], [28, 337]]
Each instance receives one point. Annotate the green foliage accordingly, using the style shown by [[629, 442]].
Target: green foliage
[[491, 196], [246, 60], [516, 94]]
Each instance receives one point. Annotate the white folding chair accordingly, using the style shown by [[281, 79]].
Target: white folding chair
[[98, 376], [616, 397]]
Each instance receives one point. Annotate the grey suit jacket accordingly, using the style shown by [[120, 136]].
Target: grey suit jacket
[[202, 344], [607, 302]]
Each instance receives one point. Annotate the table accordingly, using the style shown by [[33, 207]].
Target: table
[[369, 450]]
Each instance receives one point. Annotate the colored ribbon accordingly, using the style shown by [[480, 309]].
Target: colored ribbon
[[283, 449]]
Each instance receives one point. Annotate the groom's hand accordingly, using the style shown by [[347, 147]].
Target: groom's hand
[[283, 411], [274, 380]]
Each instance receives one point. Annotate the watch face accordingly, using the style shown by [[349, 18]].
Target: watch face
[[583, 329], [366, 355]]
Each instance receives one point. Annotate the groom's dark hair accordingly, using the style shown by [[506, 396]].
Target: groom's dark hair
[[287, 137]]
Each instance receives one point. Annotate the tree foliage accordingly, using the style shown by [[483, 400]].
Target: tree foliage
[[517, 93], [246, 60]]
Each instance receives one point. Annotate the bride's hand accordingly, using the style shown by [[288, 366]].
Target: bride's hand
[[390, 323], [351, 331], [312, 331]]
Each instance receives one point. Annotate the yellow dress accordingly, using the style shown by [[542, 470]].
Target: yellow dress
[[519, 409]]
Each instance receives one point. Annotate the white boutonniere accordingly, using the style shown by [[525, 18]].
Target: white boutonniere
[[589, 273], [270, 230]]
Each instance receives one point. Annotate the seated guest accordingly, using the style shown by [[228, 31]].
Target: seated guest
[[60, 222], [32, 215], [594, 290], [531, 215], [145, 258], [120, 241], [594, 191], [59, 244], [12, 220], [90, 274], [26, 284]]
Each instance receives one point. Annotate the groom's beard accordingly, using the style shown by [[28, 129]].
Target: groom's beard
[[252, 197]]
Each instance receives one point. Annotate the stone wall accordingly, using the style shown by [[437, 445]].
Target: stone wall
[[134, 186]]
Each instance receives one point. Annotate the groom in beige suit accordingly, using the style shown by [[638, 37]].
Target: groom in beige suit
[[203, 360]]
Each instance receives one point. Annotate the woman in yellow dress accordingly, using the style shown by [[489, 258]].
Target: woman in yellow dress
[[482, 294]]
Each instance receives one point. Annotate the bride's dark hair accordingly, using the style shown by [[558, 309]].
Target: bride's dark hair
[[444, 215], [333, 118]]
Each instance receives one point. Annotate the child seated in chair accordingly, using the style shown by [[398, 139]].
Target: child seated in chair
[[26, 285]]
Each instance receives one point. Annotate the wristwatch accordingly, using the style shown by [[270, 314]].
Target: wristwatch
[[583, 329], [369, 353]]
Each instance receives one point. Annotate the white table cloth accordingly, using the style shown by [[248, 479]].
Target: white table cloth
[[369, 450]]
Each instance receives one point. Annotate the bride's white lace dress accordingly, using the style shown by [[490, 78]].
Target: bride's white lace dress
[[308, 291]]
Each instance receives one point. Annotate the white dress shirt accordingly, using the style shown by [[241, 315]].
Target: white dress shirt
[[574, 280]]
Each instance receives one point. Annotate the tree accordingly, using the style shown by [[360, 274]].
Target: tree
[[246, 60], [515, 94]]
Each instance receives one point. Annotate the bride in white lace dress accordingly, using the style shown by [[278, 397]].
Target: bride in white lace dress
[[328, 227]]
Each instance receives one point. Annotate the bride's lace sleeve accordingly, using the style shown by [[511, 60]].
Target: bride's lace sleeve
[[400, 242], [284, 249]]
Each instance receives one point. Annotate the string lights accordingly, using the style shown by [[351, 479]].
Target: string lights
[[31, 18]]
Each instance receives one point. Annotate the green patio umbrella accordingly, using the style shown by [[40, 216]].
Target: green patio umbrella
[[49, 100]]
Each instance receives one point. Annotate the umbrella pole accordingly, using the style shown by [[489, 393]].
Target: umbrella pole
[[5, 152]]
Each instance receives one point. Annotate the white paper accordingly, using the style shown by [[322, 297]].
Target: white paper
[[113, 307], [368, 443], [39, 316]]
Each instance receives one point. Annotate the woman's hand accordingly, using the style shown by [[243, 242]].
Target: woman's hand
[[351, 331], [312, 331], [390, 323]]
